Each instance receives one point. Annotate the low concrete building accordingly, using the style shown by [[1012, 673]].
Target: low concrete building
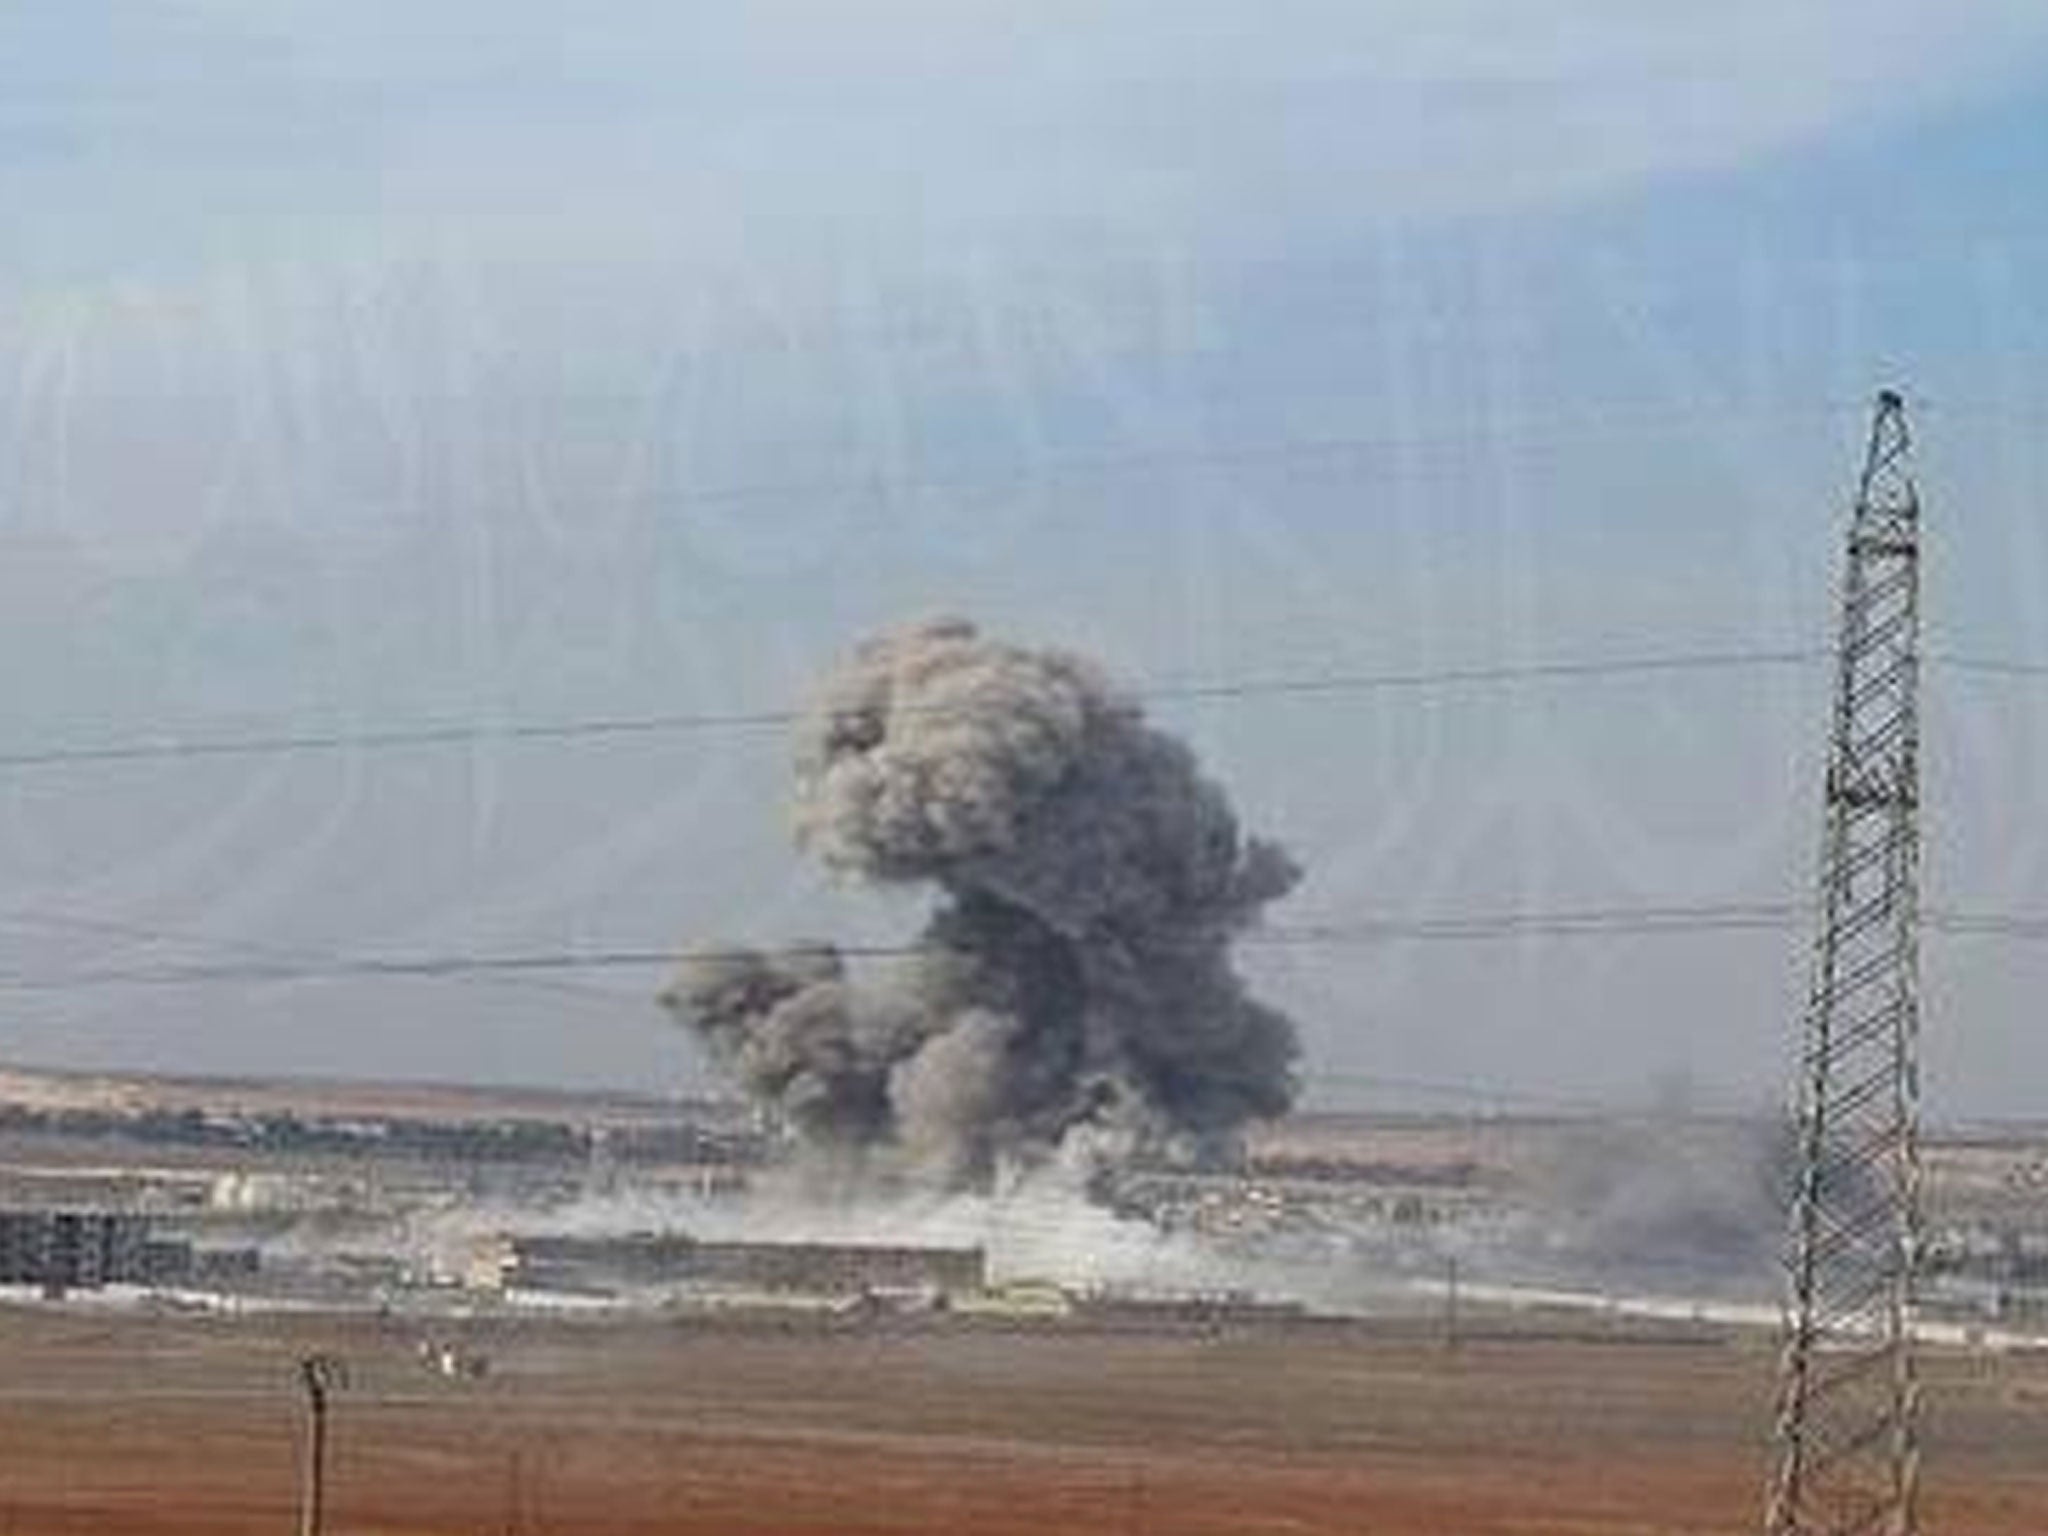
[[653, 1260], [85, 1250]]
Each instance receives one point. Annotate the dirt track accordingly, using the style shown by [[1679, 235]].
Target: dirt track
[[117, 1426]]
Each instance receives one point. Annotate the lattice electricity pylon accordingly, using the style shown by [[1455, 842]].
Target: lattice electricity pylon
[[1848, 1408]]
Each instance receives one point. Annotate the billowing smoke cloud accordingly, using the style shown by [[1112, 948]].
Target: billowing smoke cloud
[[1074, 982]]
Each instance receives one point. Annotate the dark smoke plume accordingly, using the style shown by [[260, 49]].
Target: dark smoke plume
[[1075, 974]]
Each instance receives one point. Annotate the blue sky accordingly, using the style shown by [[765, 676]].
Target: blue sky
[[381, 363]]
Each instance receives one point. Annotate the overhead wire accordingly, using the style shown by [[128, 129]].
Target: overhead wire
[[1990, 666], [259, 953], [475, 729], [1723, 917], [1627, 922], [166, 746]]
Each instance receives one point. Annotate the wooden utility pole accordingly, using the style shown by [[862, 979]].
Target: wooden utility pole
[[1451, 1303], [319, 1375]]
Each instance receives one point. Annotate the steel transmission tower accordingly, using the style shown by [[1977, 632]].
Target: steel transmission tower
[[1848, 1407]]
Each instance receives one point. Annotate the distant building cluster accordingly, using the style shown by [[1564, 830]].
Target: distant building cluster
[[491, 1207], [86, 1250], [606, 1265]]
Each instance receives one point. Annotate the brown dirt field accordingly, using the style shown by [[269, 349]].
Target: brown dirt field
[[163, 1426]]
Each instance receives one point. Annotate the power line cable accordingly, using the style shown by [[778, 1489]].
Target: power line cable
[[1608, 922], [1989, 666], [476, 729], [1711, 917], [462, 732], [2000, 925], [268, 954], [1618, 922], [167, 746]]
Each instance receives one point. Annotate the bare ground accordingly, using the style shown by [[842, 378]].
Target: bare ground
[[125, 1425]]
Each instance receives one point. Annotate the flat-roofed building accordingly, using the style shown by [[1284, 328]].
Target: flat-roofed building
[[644, 1260], [85, 1250]]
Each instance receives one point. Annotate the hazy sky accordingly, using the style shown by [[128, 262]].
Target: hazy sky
[[377, 364]]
